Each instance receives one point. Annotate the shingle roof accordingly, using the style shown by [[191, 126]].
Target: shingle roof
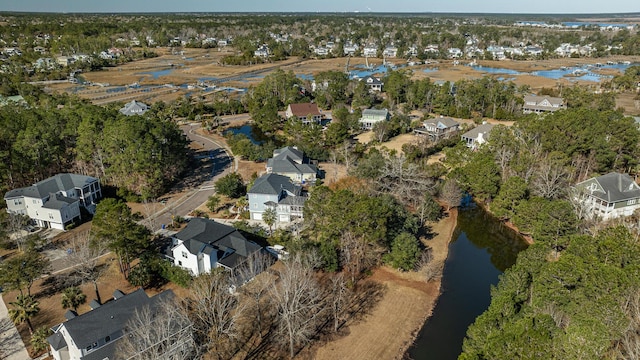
[[446, 121], [375, 112], [614, 187], [273, 184], [58, 201], [54, 184], [208, 236], [134, 108], [539, 99], [304, 109], [109, 318], [371, 80], [288, 151], [485, 129]]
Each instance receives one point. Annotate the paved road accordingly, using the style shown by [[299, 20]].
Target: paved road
[[221, 164], [11, 346]]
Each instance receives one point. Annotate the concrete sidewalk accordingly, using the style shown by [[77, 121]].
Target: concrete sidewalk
[[11, 345]]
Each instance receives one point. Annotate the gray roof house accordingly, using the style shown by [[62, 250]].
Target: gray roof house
[[477, 136], [94, 334], [374, 84], [609, 196], [55, 202], [205, 244], [370, 117], [278, 192], [291, 162], [134, 108], [438, 128], [542, 104]]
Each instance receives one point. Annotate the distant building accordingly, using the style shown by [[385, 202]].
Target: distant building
[[56, 201], [477, 136], [438, 128], [291, 162], [372, 83], [134, 108], [305, 112], [370, 117], [94, 335], [542, 104], [609, 196]]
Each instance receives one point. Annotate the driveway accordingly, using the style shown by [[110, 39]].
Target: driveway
[[11, 346]]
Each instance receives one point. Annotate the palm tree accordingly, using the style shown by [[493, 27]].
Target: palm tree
[[39, 340], [73, 297], [26, 307], [269, 216]]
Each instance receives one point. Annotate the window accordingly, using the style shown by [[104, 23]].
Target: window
[[631, 202], [50, 215], [107, 339], [184, 255], [179, 262]]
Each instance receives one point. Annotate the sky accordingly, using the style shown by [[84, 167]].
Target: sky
[[411, 6]]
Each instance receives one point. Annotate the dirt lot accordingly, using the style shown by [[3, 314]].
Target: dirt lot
[[389, 330]]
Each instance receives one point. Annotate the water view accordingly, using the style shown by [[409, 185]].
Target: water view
[[481, 250]]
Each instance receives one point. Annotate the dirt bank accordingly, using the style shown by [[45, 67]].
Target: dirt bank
[[408, 300]]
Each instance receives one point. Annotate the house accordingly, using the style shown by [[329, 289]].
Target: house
[[390, 51], [370, 117], [94, 335], [262, 51], [305, 112], [609, 196], [277, 192], [439, 128], [321, 51], [477, 136], [204, 245], [542, 104], [15, 99], [454, 53], [291, 162], [56, 201], [134, 108], [370, 51], [374, 84], [350, 48]]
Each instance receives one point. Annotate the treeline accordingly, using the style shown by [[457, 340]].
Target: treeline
[[140, 155]]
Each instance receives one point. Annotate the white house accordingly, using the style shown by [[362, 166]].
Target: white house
[[134, 108], [542, 104], [477, 136], [291, 162], [262, 51], [370, 50], [94, 335], [205, 244], [390, 51], [370, 117], [374, 84], [609, 196], [56, 201]]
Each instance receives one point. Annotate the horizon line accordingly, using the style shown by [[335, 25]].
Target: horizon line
[[312, 12]]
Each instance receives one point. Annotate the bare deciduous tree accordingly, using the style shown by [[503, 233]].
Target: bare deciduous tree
[[300, 303], [356, 254], [405, 180], [550, 179], [85, 258], [451, 194], [255, 287], [339, 300], [215, 311], [164, 332]]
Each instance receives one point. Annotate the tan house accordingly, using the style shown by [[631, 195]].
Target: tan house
[[306, 112], [542, 104]]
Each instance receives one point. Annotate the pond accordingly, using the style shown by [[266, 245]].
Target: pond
[[254, 134], [158, 73], [481, 250]]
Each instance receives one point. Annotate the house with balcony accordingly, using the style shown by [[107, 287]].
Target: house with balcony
[[542, 104], [55, 202], [95, 334], [306, 112], [370, 117], [373, 83], [205, 244], [277, 192], [609, 196], [291, 162], [134, 108], [477, 136], [370, 50], [349, 48], [438, 128]]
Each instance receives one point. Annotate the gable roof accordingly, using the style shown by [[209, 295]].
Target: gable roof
[[484, 129], [288, 151], [371, 80], [208, 236], [57, 202], [447, 122], [273, 184], [134, 108], [304, 109], [613, 187], [107, 319], [54, 184], [539, 99], [375, 112]]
